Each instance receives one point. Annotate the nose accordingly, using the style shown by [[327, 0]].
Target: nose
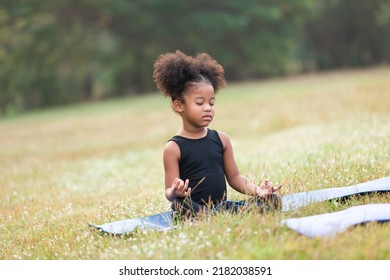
[[207, 107]]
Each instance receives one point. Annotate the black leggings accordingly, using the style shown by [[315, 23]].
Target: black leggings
[[187, 208]]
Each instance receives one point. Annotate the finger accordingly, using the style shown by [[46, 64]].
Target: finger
[[266, 185], [175, 184], [178, 183], [188, 192], [186, 184], [276, 188], [181, 186]]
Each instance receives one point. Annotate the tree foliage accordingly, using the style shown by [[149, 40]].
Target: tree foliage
[[57, 52], [349, 33]]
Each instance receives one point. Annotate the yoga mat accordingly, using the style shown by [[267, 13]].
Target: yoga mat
[[329, 224], [163, 221], [298, 200], [160, 222]]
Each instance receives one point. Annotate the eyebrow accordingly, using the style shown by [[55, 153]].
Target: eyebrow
[[204, 98]]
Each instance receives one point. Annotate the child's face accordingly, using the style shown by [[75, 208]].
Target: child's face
[[198, 107]]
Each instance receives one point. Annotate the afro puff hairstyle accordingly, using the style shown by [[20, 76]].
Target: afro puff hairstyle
[[175, 72]]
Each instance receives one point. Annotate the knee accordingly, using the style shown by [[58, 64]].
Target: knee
[[177, 204], [274, 202]]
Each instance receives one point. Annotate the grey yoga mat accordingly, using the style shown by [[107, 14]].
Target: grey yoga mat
[[297, 200], [163, 221], [329, 224]]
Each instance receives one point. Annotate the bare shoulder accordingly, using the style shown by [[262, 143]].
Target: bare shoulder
[[171, 149], [224, 138], [222, 135]]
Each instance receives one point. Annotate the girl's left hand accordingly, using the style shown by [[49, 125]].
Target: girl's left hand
[[267, 188]]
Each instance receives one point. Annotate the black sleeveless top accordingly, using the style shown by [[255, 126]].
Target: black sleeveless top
[[200, 158]]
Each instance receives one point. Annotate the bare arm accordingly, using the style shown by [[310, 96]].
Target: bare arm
[[174, 186], [237, 181]]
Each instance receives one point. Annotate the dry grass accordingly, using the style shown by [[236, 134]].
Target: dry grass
[[61, 169]]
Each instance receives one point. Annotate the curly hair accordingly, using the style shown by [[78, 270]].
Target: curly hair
[[175, 72]]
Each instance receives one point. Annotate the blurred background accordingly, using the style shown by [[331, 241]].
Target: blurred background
[[60, 52]]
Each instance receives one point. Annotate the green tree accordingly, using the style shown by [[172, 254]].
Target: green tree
[[349, 33], [44, 63], [61, 51]]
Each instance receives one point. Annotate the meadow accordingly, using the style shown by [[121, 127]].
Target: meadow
[[63, 168]]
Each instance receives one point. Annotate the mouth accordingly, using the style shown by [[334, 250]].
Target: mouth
[[207, 117]]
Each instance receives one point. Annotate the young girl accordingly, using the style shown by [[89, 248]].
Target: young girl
[[197, 160]]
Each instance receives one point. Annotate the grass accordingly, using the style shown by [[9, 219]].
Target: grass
[[64, 168]]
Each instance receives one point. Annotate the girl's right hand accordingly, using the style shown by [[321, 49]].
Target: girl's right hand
[[180, 188]]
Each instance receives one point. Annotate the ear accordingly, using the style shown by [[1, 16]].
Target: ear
[[177, 106]]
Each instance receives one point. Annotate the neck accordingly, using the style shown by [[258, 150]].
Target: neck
[[192, 132]]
